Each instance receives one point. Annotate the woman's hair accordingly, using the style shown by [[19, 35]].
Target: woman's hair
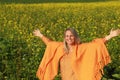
[[77, 39]]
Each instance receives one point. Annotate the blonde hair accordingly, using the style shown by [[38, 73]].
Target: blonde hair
[[77, 39]]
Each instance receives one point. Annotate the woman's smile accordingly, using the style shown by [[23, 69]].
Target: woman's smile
[[69, 38]]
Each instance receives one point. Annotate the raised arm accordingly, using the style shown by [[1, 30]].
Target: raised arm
[[40, 35], [113, 33]]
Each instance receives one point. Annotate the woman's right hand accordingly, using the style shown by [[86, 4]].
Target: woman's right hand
[[37, 33]]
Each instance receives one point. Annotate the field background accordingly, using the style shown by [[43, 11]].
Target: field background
[[51, 1], [21, 52]]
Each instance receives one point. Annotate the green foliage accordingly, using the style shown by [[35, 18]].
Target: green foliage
[[48, 1], [21, 52]]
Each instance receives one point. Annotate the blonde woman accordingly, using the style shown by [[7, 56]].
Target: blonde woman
[[78, 61]]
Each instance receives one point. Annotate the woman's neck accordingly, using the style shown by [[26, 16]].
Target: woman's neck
[[71, 47]]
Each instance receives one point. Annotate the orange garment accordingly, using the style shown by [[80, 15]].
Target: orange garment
[[66, 70], [88, 60]]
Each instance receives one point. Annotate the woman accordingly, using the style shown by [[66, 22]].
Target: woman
[[78, 61]]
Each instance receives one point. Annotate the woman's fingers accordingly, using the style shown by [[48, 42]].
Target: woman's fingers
[[35, 32], [118, 31], [115, 32], [111, 30]]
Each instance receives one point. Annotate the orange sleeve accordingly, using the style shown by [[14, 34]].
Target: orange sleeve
[[48, 65], [100, 40], [91, 59], [46, 40]]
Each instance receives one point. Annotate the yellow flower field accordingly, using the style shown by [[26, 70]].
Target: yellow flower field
[[21, 52]]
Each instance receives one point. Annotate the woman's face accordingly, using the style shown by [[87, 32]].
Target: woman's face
[[69, 38]]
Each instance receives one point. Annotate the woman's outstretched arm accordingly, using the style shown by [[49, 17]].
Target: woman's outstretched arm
[[113, 33], [40, 35]]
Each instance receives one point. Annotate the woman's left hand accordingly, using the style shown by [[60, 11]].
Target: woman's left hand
[[114, 33]]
